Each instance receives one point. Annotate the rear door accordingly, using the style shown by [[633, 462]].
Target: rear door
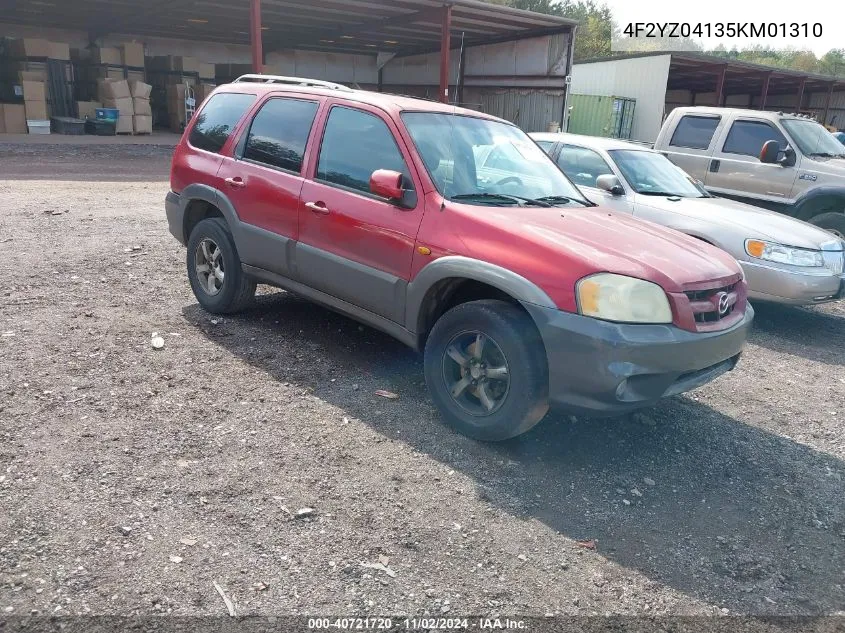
[[737, 169], [583, 166], [693, 142], [263, 179], [354, 245]]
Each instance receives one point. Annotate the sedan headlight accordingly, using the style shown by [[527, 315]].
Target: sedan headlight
[[783, 254], [619, 298]]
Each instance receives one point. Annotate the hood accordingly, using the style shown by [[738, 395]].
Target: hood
[[753, 222], [595, 239]]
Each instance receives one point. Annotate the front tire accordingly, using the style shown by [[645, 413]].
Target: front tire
[[833, 222], [486, 369], [214, 269]]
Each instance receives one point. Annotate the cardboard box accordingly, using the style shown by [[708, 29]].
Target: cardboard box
[[142, 124], [135, 75], [14, 118], [34, 91], [124, 125], [207, 71], [125, 105], [31, 75], [88, 109], [107, 56], [132, 54], [30, 47], [141, 107], [140, 90], [59, 50], [36, 110], [113, 89]]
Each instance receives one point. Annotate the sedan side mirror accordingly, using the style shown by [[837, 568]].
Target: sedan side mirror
[[611, 184], [390, 184]]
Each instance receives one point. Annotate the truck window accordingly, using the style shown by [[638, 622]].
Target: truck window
[[217, 120], [747, 137], [695, 132], [279, 133]]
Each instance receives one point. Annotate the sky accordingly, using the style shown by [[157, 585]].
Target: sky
[[713, 11]]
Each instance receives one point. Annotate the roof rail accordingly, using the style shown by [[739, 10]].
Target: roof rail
[[291, 81]]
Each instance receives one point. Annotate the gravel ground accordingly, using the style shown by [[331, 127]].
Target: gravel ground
[[133, 479]]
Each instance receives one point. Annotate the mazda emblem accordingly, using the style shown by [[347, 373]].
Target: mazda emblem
[[724, 303]]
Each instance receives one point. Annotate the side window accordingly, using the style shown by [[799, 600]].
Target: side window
[[546, 146], [279, 133], [747, 137], [694, 132], [356, 144], [217, 119], [582, 165]]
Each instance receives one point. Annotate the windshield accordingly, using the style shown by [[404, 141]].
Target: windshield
[[812, 139], [650, 173], [485, 162]]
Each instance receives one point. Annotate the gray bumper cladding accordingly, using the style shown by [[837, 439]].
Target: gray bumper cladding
[[175, 216], [601, 368]]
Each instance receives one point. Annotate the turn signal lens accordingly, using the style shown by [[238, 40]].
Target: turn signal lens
[[755, 248]]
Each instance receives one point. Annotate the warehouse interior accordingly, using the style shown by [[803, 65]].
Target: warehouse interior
[[151, 62]]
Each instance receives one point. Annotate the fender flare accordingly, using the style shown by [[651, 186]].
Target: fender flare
[[800, 206], [455, 266], [209, 194]]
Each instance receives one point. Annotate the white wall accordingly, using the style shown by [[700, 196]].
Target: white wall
[[640, 78]]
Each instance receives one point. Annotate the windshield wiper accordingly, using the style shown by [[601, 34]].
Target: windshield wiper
[[826, 155], [552, 200], [659, 193], [519, 200]]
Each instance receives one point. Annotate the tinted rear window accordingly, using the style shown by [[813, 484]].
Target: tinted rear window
[[694, 132], [217, 120], [279, 133]]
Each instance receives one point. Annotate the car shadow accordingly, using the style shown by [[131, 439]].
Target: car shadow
[[814, 333], [720, 510]]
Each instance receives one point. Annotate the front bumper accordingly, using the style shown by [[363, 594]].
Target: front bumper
[[601, 368], [780, 285], [175, 216]]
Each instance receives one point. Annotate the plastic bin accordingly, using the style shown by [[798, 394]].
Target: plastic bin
[[100, 127], [67, 125], [38, 126], [107, 114]]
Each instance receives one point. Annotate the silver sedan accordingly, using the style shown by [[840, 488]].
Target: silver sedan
[[785, 260]]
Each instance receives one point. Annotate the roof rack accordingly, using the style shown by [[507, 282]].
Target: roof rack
[[291, 81]]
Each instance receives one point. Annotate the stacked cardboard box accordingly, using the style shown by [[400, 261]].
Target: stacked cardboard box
[[176, 94], [106, 55], [175, 69], [142, 121], [12, 119], [132, 54], [39, 47], [207, 73], [116, 94], [202, 91], [35, 98]]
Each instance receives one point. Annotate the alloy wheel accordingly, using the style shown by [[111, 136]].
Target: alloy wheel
[[208, 263], [476, 373]]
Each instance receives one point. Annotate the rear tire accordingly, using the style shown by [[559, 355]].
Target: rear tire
[[214, 269], [491, 388], [833, 222]]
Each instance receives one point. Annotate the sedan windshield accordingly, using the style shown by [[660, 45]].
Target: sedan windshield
[[652, 174], [484, 162], [812, 139]]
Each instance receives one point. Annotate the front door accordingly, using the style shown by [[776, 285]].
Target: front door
[[583, 166], [354, 245], [736, 168]]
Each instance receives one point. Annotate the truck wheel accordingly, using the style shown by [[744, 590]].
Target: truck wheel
[[833, 222], [214, 269], [486, 368]]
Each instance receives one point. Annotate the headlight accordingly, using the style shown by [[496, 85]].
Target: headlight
[[783, 254], [619, 298]]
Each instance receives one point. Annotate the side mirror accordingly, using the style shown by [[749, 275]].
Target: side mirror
[[611, 184], [389, 184], [770, 152]]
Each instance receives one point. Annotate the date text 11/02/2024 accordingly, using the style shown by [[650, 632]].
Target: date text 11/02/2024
[[414, 624], [722, 29]]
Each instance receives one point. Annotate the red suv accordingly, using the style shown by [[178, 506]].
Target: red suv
[[453, 232]]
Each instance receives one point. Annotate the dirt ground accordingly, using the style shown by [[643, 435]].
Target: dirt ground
[[133, 479]]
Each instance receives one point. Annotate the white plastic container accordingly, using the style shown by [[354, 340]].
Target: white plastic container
[[38, 127]]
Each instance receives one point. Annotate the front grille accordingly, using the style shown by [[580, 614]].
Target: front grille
[[713, 305]]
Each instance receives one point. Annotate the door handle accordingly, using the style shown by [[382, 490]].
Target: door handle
[[236, 182], [714, 165], [318, 207]]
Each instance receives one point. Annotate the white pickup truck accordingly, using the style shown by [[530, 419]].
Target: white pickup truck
[[783, 162]]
